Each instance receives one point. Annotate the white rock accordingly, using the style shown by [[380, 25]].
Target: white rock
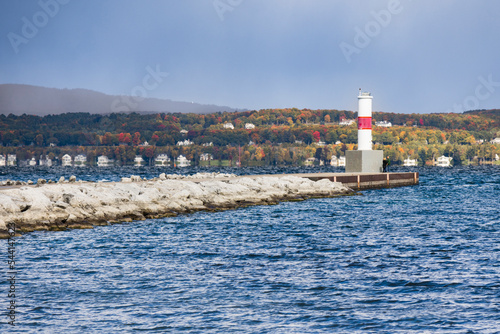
[[112, 200], [135, 178]]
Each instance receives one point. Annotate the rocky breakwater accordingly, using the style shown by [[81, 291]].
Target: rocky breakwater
[[63, 205]]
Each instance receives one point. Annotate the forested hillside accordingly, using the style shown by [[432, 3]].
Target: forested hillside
[[274, 136]]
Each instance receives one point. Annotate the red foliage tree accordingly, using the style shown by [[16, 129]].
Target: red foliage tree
[[137, 138], [316, 136]]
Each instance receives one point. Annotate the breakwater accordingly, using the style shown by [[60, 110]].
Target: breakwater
[[63, 205]]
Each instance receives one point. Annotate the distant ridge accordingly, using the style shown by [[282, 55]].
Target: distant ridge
[[35, 100]]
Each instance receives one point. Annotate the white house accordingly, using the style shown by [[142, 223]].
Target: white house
[[346, 122], [3, 162], [162, 160], [80, 160], [249, 126], [139, 161], [337, 161], [45, 162], [310, 161], [182, 161], [186, 142], [208, 144], [66, 160], [410, 162], [183, 132], [443, 161], [206, 157], [104, 161], [496, 141], [11, 160], [32, 162], [384, 124], [229, 126]]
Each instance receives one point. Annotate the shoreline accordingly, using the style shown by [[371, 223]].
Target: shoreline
[[80, 205]]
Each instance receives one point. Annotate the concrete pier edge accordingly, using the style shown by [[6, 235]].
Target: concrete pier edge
[[355, 181]]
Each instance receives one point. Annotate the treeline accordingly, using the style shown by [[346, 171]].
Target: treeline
[[478, 121], [273, 125]]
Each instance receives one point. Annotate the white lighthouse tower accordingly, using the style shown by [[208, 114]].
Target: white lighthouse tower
[[364, 160], [364, 121]]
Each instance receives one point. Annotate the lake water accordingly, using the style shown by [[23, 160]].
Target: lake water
[[421, 259]]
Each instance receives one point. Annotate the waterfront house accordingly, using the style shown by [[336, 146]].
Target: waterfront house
[[443, 161], [410, 162], [310, 161], [45, 162], [66, 160], [32, 162], [3, 161], [139, 161], [80, 160], [11, 160], [162, 160], [182, 161], [206, 157], [104, 161], [338, 162]]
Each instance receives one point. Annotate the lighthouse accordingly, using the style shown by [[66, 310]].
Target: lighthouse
[[364, 121], [364, 159]]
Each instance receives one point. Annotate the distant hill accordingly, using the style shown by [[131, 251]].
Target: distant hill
[[489, 113], [34, 100]]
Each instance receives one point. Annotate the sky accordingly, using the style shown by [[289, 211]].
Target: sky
[[413, 56]]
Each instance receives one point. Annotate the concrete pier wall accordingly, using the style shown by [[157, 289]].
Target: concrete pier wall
[[359, 181]]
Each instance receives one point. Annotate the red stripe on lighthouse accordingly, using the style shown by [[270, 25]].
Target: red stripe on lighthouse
[[364, 123]]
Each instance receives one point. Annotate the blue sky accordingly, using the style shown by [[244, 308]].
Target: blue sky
[[414, 56]]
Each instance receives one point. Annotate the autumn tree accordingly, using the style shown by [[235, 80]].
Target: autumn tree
[[316, 136], [137, 138]]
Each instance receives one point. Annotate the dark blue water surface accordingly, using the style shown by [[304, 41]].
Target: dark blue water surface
[[422, 259]]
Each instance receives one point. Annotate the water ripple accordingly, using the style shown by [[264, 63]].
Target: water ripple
[[419, 259]]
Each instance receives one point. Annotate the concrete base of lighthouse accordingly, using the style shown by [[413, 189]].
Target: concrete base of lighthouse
[[367, 161]]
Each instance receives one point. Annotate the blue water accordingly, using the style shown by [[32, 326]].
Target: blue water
[[422, 259], [115, 173]]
